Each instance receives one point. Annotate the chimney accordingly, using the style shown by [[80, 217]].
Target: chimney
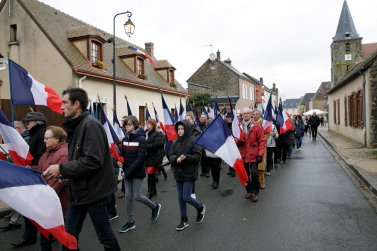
[[218, 55], [228, 61], [149, 47], [261, 79], [273, 87]]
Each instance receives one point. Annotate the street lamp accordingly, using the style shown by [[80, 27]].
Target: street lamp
[[129, 28]]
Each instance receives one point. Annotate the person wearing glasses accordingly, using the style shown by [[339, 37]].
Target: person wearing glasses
[[35, 123], [56, 153], [134, 152]]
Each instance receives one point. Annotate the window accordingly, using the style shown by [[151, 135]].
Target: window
[[142, 114], [171, 77], [347, 34], [251, 93], [347, 67], [345, 111], [139, 67], [13, 33], [244, 93], [213, 67], [338, 110], [348, 47], [95, 52], [334, 105], [356, 109]]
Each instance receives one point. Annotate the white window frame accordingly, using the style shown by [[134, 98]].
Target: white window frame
[[244, 91], [251, 94]]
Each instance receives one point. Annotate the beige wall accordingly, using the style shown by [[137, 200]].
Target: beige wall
[[317, 104], [349, 131], [291, 111], [242, 103], [34, 52]]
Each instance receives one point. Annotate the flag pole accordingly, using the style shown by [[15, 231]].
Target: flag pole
[[218, 115], [10, 88], [4, 150], [33, 170]]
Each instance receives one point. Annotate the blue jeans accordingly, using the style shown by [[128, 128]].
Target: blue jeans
[[100, 219], [289, 150], [298, 142], [184, 196], [111, 202]]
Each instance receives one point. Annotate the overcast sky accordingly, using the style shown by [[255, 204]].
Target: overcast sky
[[286, 42]]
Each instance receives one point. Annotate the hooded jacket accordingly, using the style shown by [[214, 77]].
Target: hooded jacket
[[187, 170], [155, 144], [37, 146], [89, 167], [134, 152], [299, 130], [314, 121]]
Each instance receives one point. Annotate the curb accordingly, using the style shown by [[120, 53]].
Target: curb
[[4, 212], [363, 176]]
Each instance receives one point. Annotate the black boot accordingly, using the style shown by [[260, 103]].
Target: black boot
[[162, 168], [153, 186], [150, 194]]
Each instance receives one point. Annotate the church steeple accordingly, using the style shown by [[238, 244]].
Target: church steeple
[[346, 28]]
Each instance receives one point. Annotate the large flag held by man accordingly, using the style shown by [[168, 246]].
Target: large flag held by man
[[267, 118], [169, 122], [218, 139], [17, 146], [112, 138], [283, 120], [28, 194], [28, 91]]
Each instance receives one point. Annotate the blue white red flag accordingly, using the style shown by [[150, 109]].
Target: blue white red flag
[[118, 130], [158, 121], [235, 128], [128, 109], [276, 111], [217, 109], [267, 117], [205, 111], [182, 112], [196, 116], [112, 138], [135, 49], [189, 108], [147, 117], [212, 111], [28, 194], [283, 120], [25, 90], [225, 112], [17, 146], [169, 122], [255, 105], [91, 109], [262, 95], [176, 117], [218, 139]]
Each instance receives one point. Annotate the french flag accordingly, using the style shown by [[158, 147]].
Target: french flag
[[212, 111], [147, 117], [176, 117], [91, 109], [169, 122], [267, 118], [182, 112], [205, 111], [235, 128], [25, 90], [217, 109], [17, 146], [136, 49], [218, 139], [158, 119], [116, 125], [128, 109], [28, 194], [112, 138], [196, 116], [262, 95], [283, 120]]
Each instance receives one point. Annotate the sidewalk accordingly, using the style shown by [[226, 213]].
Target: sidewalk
[[358, 158]]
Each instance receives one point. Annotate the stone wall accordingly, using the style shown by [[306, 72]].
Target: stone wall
[[214, 74], [373, 97]]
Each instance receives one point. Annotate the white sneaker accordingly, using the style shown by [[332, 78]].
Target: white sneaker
[[193, 196]]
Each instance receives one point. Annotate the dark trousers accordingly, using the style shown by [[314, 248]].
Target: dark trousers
[[123, 187], [184, 189], [214, 163], [314, 131], [270, 161], [284, 148], [277, 153], [46, 243], [204, 162], [306, 128], [253, 182], [31, 230], [111, 202], [100, 219]]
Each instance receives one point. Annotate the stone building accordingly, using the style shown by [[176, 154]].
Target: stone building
[[61, 51], [290, 106], [219, 78], [353, 93], [320, 97], [303, 106]]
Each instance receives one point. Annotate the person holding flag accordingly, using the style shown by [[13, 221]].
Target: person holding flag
[[252, 148]]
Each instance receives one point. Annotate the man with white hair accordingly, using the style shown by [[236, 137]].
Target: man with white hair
[[314, 121], [252, 147]]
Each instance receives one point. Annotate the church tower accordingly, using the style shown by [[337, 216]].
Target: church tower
[[346, 47]]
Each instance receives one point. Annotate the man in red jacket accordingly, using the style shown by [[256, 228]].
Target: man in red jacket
[[251, 146]]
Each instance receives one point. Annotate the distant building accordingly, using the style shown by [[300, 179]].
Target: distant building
[[320, 97], [290, 105], [303, 105]]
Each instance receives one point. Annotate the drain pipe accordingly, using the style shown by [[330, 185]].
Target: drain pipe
[[364, 111], [80, 81]]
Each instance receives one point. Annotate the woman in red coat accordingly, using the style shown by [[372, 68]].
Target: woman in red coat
[[56, 153]]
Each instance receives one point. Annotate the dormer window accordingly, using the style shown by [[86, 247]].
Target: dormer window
[[171, 76], [139, 66], [347, 34], [95, 52]]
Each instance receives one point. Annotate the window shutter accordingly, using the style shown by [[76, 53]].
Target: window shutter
[[361, 110], [345, 111], [354, 108], [338, 109], [334, 105], [349, 111]]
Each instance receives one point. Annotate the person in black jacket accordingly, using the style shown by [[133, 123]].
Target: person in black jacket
[[89, 169], [134, 152], [314, 121], [155, 143], [35, 123], [186, 171]]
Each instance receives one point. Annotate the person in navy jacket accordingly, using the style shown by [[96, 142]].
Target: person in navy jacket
[[299, 131], [134, 152]]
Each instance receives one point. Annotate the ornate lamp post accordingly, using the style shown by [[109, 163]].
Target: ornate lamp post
[[129, 28]]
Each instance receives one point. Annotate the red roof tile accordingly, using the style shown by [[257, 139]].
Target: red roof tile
[[368, 49]]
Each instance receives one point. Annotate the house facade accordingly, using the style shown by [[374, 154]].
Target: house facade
[[320, 97], [60, 51], [290, 106], [303, 105]]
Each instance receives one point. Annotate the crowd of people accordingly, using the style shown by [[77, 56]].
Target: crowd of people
[[88, 175]]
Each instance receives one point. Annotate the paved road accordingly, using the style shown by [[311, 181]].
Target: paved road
[[308, 204]]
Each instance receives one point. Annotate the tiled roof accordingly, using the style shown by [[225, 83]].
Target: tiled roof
[[291, 103], [368, 49], [256, 81], [321, 93], [56, 25], [307, 98], [345, 25], [124, 51], [234, 70], [81, 31], [163, 64]]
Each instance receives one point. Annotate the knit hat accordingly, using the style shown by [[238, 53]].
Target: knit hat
[[34, 116]]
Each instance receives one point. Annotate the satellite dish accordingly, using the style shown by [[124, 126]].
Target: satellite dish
[[212, 56]]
